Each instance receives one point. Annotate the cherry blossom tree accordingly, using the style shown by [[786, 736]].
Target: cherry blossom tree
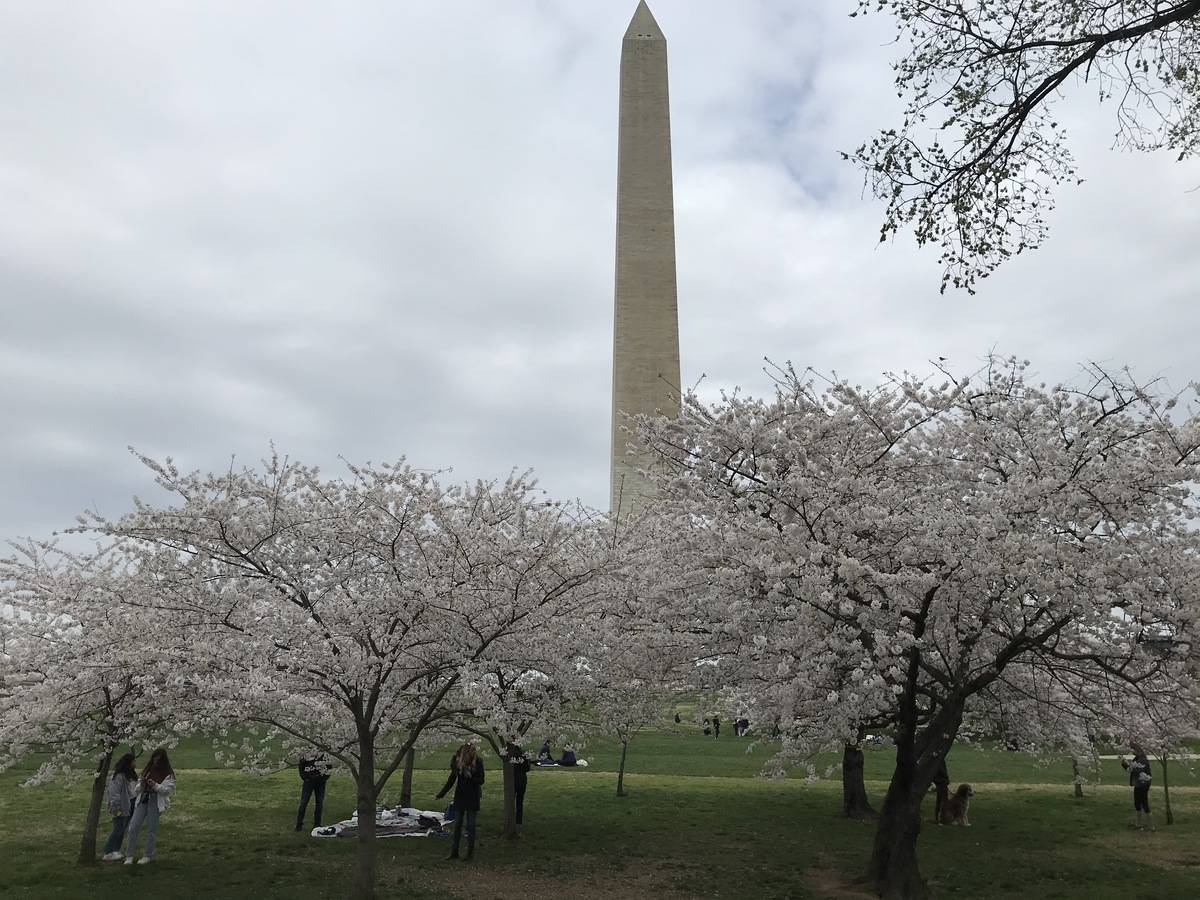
[[341, 613], [944, 529], [76, 683], [632, 675]]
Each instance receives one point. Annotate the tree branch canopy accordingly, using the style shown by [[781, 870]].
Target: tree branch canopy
[[974, 163]]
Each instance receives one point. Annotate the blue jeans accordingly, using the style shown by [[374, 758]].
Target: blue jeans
[[308, 789], [468, 815], [146, 813], [117, 835]]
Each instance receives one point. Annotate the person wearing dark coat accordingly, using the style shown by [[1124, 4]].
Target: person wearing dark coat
[[314, 772], [1140, 778], [466, 777], [941, 789], [520, 767], [716, 727]]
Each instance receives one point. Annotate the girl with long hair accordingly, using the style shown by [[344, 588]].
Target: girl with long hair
[[119, 798], [152, 796], [466, 777]]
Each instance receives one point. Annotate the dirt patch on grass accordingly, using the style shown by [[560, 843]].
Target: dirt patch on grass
[[636, 881], [829, 884]]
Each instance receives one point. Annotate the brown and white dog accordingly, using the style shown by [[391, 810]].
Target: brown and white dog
[[954, 809]]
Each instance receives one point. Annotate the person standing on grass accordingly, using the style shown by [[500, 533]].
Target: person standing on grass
[[466, 777], [716, 727], [120, 804], [314, 772], [941, 789], [1140, 778], [152, 796], [520, 767]]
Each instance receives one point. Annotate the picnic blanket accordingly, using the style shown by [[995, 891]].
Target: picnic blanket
[[402, 822]]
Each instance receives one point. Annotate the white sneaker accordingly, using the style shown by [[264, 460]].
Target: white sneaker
[[111, 856], [129, 860], [144, 860]]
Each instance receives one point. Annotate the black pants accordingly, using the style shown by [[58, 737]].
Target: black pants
[[519, 792], [308, 789], [469, 815], [1141, 797]]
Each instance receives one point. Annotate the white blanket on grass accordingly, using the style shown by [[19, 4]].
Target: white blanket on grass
[[402, 822]]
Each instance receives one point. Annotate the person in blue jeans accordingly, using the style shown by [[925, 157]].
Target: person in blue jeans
[[314, 772], [466, 777], [120, 805], [151, 798]]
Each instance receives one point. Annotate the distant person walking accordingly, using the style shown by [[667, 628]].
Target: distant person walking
[[716, 727], [1140, 778], [314, 772], [152, 797], [119, 798], [466, 777], [520, 767]]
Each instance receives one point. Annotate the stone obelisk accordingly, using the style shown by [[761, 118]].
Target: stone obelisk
[[646, 321]]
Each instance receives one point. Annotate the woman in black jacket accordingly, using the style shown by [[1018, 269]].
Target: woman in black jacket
[[1140, 778], [466, 777]]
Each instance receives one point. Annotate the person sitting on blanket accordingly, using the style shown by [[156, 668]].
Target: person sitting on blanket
[[544, 755], [568, 757]]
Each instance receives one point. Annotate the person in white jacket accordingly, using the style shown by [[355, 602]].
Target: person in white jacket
[[151, 796]]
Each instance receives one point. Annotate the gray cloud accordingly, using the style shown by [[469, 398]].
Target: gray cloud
[[387, 229]]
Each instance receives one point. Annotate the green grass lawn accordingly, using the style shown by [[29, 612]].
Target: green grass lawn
[[696, 824]]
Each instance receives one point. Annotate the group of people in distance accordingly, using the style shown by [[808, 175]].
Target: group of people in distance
[[713, 726], [545, 757], [467, 775], [136, 802]]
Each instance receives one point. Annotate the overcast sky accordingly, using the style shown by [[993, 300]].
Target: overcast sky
[[385, 229]]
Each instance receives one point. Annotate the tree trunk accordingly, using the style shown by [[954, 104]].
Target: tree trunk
[[1075, 773], [893, 868], [87, 845], [621, 770], [406, 778], [364, 873], [1166, 792], [855, 804], [509, 828]]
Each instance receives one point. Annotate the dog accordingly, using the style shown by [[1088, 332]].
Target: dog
[[954, 809]]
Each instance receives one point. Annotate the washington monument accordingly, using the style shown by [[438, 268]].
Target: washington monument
[[646, 320]]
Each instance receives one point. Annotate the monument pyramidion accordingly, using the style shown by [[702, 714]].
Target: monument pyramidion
[[646, 318]]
